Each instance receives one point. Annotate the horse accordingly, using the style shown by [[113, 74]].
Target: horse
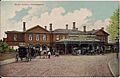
[[43, 54]]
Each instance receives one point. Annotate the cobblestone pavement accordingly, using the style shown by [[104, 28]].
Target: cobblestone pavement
[[83, 65]]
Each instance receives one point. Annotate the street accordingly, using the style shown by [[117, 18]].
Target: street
[[65, 65]]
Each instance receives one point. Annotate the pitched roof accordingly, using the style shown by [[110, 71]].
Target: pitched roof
[[36, 27], [80, 39], [95, 31], [69, 31], [14, 31]]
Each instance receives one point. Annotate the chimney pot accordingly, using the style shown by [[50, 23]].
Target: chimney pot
[[93, 29], [24, 26], [73, 25], [50, 26], [46, 27], [76, 28], [66, 26], [84, 27], [102, 28]]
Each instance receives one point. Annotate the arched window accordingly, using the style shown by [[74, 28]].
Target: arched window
[[44, 37], [37, 37], [15, 37], [44, 47], [30, 37], [37, 46]]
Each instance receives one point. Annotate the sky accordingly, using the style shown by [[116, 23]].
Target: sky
[[93, 14]]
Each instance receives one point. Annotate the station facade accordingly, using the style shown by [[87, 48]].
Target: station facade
[[42, 38]]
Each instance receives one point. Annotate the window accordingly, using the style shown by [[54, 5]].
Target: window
[[44, 37], [37, 37], [57, 37], [15, 37], [30, 37], [63, 37]]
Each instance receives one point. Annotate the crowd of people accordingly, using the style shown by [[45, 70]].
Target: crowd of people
[[88, 51], [30, 53]]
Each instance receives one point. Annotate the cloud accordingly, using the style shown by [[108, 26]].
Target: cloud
[[20, 14], [98, 24], [58, 17], [8, 11]]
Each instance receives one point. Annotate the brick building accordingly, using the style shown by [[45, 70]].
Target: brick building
[[45, 39]]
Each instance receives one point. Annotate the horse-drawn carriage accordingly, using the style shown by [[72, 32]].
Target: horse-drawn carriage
[[87, 51], [25, 53]]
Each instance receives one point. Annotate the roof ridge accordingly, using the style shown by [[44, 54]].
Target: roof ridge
[[35, 27]]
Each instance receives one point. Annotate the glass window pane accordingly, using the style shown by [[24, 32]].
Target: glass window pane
[[30, 37], [37, 37]]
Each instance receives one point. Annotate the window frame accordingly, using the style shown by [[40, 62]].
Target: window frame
[[30, 36], [57, 37], [15, 37], [44, 37], [37, 37]]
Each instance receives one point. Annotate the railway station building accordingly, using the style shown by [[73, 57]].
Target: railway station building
[[44, 39]]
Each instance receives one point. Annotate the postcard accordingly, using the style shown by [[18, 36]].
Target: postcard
[[59, 39]]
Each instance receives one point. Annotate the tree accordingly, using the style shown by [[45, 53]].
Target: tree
[[113, 27], [3, 47]]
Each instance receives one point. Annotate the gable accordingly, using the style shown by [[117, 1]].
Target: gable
[[101, 32], [37, 29]]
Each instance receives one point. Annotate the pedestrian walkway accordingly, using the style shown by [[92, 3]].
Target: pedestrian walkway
[[114, 67], [7, 61]]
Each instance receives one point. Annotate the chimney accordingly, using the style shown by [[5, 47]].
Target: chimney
[[73, 25], [84, 27], [102, 28], [93, 29], [76, 28], [24, 28], [50, 26], [46, 27], [66, 26]]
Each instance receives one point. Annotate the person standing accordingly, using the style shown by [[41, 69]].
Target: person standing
[[29, 56], [17, 55], [49, 54]]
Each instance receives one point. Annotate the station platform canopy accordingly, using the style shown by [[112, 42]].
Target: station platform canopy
[[80, 38]]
